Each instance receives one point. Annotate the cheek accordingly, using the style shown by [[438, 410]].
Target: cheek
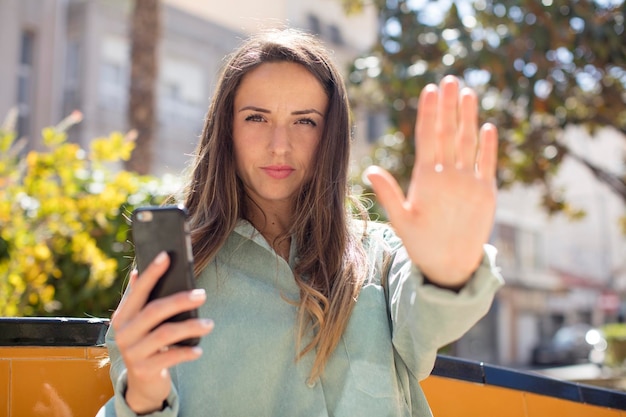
[[314, 144], [309, 156], [243, 148], [239, 157]]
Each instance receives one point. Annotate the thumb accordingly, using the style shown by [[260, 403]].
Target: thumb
[[388, 191]]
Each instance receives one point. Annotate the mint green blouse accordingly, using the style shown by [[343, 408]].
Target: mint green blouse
[[248, 367]]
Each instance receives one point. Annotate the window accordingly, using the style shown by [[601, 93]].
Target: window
[[519, 249], [530, 254], [376, 126], [335, 34], [114, 73], [25, 83], [181, 92], [315, 26], [71, 91], [505, 239]]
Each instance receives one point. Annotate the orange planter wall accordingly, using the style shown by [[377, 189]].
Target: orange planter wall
[[54, 367], [455, 398], [53, 381]]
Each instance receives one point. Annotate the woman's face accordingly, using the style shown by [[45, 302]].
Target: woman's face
[[279, 115]]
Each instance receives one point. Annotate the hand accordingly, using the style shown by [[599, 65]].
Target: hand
[[144, 346], [53, 404], [448, 212]]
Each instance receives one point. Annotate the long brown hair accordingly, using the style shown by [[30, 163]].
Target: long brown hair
[[331, 265]]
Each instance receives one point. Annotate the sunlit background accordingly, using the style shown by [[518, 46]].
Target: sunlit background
[[560, 225]]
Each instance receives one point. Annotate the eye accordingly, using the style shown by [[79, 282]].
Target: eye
[[307, 121], [254, 118]]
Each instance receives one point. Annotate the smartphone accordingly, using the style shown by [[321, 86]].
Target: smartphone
[[164, 228]]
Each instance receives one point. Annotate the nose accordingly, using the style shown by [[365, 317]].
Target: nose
[[280, 143]]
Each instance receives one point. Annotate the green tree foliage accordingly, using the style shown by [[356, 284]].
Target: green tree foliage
[[538, 66], [64, 248]]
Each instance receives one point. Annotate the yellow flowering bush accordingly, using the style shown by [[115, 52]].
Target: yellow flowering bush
[[64, 248]]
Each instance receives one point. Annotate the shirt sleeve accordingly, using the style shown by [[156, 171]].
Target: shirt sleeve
[[425, 317], [117, 406]]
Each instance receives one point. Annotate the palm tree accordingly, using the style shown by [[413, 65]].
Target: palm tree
[[145, 33]]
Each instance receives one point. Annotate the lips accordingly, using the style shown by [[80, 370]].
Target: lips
[[278, 171]]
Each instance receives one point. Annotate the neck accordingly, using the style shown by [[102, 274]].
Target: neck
[[272, 223]]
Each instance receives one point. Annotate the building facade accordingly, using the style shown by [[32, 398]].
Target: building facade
[[80, 61], [62, 55], [562, 271]]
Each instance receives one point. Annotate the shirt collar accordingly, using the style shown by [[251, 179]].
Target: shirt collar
[[247, 230]]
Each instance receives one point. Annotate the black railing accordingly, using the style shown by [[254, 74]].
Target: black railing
[[482, 373], [43, 331], [52, 331]]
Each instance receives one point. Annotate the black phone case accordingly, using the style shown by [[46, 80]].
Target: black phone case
[[164, 228]]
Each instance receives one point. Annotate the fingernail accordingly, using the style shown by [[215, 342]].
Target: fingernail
[[197, 294], [206, 323], [197, 350], [450, 79], [160, 258], [365, 175]]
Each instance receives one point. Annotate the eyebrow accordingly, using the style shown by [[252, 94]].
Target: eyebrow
[[295, 113]]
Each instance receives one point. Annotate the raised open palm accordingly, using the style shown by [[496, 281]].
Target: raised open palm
[[447, 214]]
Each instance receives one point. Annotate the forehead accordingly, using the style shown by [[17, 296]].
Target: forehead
[[285, 81]]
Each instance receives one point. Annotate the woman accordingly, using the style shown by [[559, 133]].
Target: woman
[[315, 313]]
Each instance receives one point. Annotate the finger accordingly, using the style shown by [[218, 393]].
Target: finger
[[468, 130], [447, 120], [167, 335], [488, 152], [425, 143], [138, 293], [132, 277], [389, 193], [155, 313], [169, 358]]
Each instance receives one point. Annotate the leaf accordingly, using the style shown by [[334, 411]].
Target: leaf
[[52, 138]]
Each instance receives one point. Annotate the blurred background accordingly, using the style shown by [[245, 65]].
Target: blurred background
[[105, 99]]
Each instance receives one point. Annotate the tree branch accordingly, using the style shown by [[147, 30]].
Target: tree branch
[[616, 184]]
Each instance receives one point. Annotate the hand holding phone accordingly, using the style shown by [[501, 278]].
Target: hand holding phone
[[164, 228]]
